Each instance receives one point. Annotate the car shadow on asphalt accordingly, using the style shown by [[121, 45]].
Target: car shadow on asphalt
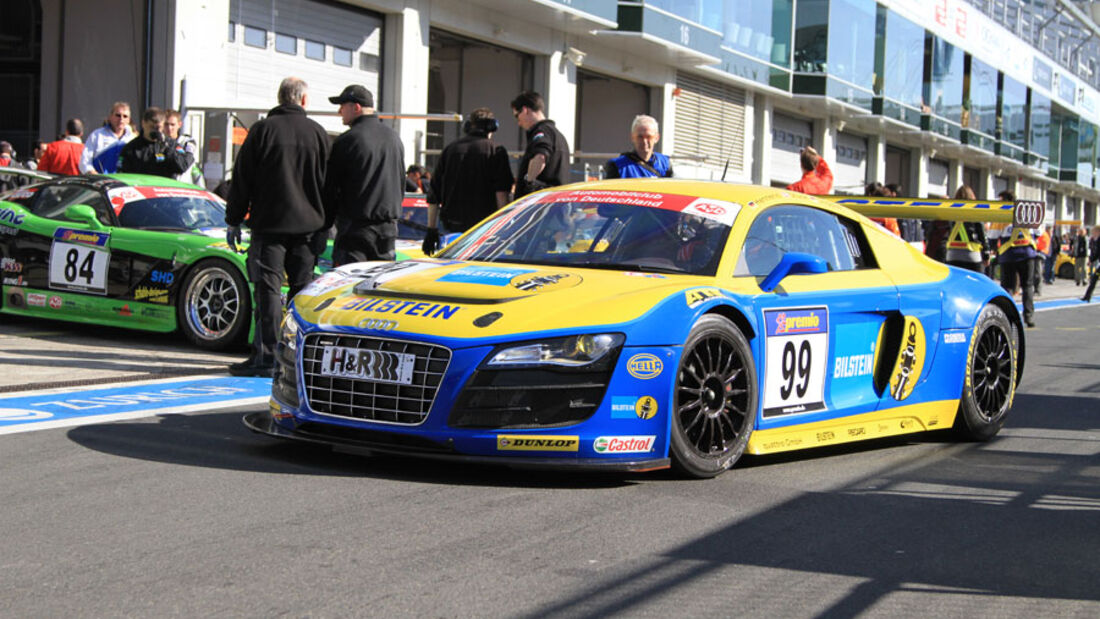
[[220, 440], [969, 528]]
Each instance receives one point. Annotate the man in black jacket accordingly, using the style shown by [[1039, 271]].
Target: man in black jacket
[[545, 162], [472, 179], [152, 152], [277, 182], [365, 182]]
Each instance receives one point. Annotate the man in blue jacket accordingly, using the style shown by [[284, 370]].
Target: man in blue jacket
[[643, 161]]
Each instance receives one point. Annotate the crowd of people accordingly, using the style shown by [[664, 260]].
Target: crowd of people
[[158, 148], [297, 191]]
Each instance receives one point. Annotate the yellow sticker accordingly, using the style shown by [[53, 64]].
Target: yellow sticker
[[645, 407], [910, 360], [530, 442], [644, 366], [696, 296]]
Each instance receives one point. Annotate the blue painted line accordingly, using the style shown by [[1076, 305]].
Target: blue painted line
[[128, 402], [1053, 304]]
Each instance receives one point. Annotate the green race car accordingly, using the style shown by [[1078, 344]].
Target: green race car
[[124, 250]]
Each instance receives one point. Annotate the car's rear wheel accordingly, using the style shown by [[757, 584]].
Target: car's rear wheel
[[1066, 271], [990, 376], [714, 405], [214, 305]]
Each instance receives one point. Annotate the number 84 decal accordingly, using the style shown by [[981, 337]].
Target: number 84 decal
[[797, 349]]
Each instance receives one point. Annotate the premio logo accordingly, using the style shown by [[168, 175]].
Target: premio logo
[[644, 366]]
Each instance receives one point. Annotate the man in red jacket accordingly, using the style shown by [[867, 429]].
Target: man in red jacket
[[63, 156], [817, 178]]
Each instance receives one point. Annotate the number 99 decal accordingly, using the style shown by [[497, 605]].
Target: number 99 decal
[[797, 349]]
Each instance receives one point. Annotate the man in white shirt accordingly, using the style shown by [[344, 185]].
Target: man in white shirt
[[103, 145]]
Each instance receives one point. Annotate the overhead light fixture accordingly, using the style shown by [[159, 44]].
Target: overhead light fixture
[[575, 56]]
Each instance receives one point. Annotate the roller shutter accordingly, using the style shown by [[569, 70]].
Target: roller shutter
[[328, 45], [710, 122]]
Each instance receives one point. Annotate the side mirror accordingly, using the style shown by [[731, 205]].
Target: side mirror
[[793, 263], [83, 213]]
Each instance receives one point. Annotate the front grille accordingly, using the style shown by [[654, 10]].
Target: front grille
[[372, 400], [529, 398]]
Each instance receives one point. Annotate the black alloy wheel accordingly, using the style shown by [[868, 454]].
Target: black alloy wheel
[[715, 400], [990, 376]]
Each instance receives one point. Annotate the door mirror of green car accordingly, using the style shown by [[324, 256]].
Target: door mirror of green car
[[83, 213]]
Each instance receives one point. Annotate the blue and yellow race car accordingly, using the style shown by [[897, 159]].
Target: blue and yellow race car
[[634, 326]]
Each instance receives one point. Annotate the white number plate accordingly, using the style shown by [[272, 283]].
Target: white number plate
[[376, 365], [795, 360], [78, 267]]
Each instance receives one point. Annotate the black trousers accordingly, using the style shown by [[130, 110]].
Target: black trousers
[[360, 242], [269, 256], [1022, 271], [1092, 284]]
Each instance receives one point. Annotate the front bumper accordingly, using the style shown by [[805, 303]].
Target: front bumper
[[380, 442]]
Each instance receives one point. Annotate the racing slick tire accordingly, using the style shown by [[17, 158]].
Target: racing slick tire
[[1066, 271], [214, 305], [990, 382], [714, 402]]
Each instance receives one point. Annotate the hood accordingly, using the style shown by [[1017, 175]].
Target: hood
[[470, 300]]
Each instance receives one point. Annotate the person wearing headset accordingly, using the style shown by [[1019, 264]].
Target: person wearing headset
[[471, 180]]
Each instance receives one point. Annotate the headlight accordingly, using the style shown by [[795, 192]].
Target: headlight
[[288, 332], [572, 351]]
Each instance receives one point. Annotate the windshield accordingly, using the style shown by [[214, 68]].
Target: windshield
[[414, 219], [619, 230], [173, 213]]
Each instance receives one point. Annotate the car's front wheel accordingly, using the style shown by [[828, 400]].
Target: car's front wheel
[[990, 376], [1066, 271], [214, 306], [714, 405]]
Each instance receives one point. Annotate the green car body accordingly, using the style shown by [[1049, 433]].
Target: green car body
[[72, 251]]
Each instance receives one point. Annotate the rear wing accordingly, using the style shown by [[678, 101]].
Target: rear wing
[[1021, 213]]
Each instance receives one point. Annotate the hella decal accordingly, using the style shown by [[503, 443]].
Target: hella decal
[[521, 442], [623, 444], [407, 308], [644, 366]]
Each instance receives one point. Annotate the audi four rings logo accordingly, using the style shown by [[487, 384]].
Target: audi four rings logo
[[1028, 214], [377, 324]]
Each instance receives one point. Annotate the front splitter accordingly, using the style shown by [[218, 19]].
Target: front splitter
[[264, 423]]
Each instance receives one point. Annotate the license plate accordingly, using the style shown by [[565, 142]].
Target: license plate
[[376, 365]]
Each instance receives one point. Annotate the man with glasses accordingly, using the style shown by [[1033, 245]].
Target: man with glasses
[[103, 145], [152, 152]]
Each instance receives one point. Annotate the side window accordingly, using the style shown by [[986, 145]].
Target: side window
[[53, 200], [776, 231]]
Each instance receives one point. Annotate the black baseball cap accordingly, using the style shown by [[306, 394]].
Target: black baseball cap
[[354, 94]]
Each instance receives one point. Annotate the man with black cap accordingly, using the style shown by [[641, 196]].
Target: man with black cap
[[364, 183]]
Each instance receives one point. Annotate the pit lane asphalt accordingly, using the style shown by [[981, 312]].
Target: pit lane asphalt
[[186, 515]]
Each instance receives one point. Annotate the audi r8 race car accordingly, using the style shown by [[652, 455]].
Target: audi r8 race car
[[634, 325], [140, 252]]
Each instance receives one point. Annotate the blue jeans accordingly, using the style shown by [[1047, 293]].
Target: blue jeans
[[1048, 268]]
